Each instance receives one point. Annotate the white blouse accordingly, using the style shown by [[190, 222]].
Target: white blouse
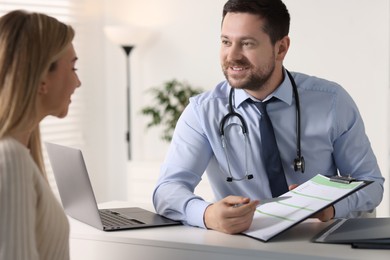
[[33, 224]]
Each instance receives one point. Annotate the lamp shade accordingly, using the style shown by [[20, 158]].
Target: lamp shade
[[127, 36]]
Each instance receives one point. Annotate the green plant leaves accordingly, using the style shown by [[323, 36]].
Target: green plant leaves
[[170, 100]]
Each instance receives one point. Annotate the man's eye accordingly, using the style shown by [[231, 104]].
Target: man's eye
[[247, 44], [225, 42]]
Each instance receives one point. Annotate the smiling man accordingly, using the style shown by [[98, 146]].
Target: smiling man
[[221, 131]]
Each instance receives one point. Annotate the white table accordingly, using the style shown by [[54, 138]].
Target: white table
[[182, 242]]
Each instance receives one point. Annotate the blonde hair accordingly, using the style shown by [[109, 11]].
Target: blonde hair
[[30, 44]]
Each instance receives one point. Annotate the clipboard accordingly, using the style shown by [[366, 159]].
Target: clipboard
[[304, 201], [365, 233]]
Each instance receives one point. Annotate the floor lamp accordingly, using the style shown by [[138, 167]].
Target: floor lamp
[[127, 38], [127, 49]]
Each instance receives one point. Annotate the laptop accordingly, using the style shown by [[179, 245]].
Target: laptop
[[79, 201]]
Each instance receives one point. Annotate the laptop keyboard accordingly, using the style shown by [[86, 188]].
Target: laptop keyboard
[[113, 219]]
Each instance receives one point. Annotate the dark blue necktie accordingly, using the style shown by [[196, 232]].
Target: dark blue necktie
[[270, 153]]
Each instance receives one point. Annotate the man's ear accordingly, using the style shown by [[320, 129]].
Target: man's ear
[[282, 48]]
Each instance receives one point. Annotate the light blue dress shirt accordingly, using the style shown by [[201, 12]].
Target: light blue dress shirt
[[332, 138]]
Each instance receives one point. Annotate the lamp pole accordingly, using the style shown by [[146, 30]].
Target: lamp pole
[[127, 49]]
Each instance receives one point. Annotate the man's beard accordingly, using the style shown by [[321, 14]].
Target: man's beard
[[255, 80]]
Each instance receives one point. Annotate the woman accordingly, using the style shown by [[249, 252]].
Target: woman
[[37, 79]]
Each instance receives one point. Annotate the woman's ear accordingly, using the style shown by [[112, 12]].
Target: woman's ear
[[43, 88], [44, 85]]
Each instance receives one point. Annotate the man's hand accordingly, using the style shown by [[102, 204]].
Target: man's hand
[[325, 214], [230, 215]]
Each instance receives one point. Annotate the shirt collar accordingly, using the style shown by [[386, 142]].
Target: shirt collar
[[284, 93]]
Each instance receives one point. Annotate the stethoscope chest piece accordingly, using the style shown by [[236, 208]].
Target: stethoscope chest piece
[[299, 164]]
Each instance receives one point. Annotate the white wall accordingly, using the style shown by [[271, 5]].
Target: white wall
[[344, 41], [92, 75]]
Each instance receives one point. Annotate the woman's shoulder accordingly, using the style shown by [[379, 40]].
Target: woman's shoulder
[[11, 149], [13, 157]]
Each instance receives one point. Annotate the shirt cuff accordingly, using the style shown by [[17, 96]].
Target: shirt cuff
[[195, 211], [341, 209]]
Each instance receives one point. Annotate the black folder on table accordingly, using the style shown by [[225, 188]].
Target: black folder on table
[[373, 233]]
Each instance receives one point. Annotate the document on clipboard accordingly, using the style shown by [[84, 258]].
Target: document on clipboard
[[307, 199]]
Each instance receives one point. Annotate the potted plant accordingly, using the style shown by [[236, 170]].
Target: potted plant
[[170, 99]]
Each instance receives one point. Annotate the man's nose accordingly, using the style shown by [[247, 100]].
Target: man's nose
[[234, 52]]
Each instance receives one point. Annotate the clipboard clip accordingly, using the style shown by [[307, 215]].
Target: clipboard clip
[[342, 179]]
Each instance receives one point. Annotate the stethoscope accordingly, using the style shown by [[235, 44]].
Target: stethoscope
[[299, 161]]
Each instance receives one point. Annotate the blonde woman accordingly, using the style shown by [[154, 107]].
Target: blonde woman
[[37, 79]]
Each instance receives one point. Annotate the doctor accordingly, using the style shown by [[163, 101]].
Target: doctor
[[254, 43]]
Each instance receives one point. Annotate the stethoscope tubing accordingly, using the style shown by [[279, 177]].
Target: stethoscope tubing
[[299, 163]]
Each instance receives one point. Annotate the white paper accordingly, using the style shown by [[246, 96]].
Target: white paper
[[272, 218]]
